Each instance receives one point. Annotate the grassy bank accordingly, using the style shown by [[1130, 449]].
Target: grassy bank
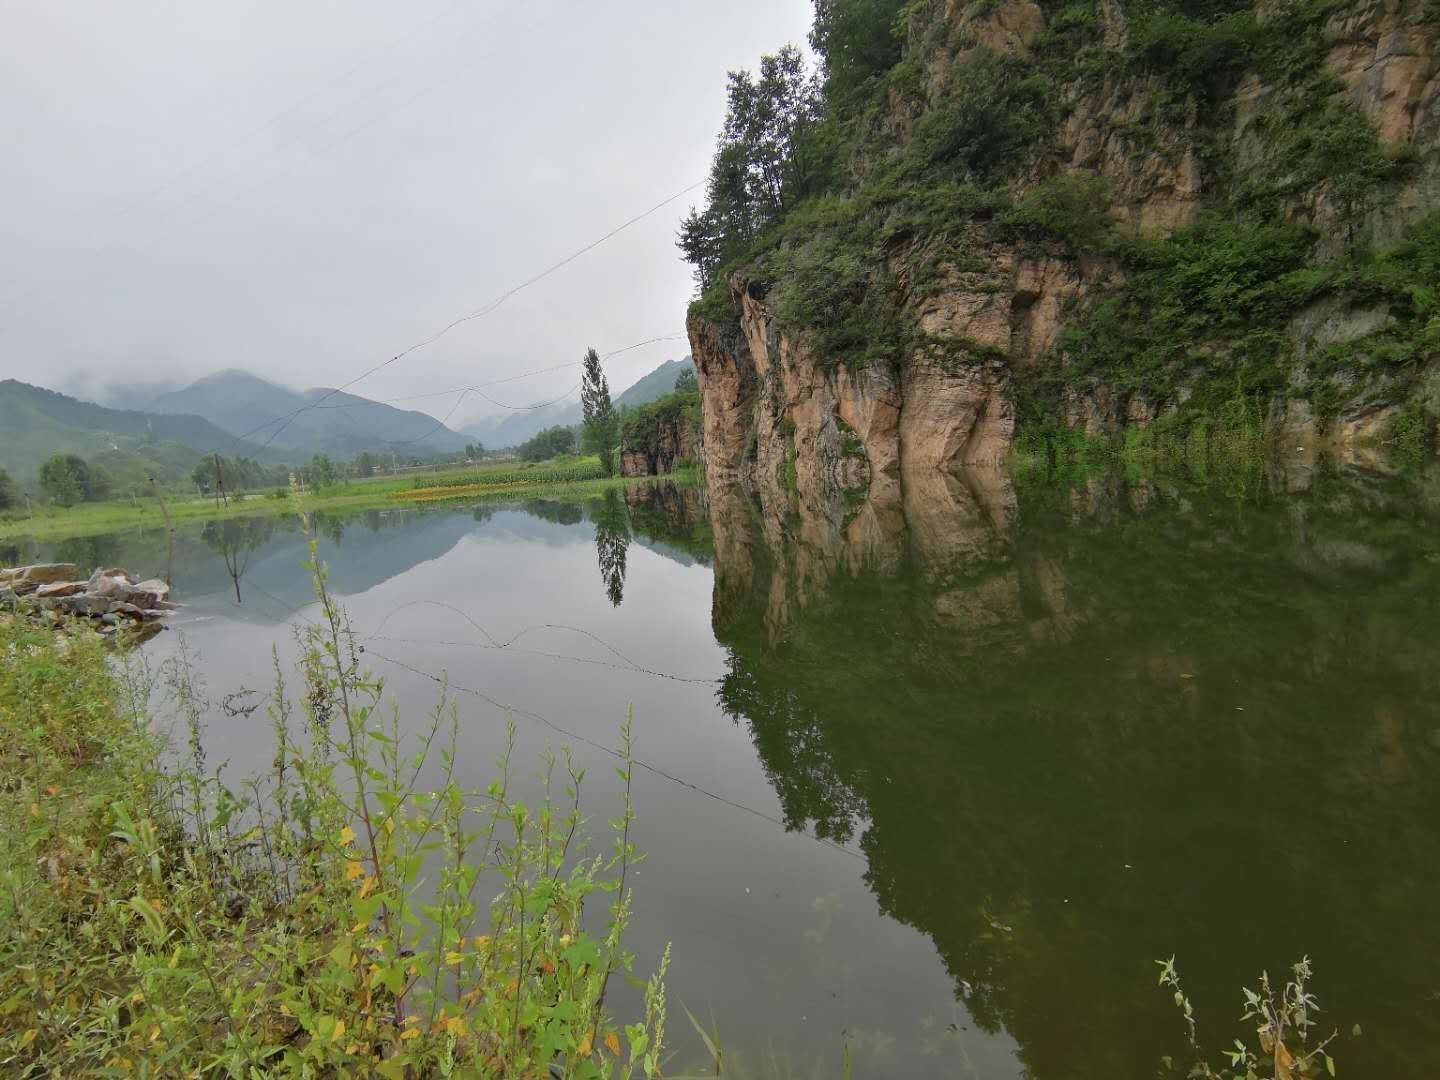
[[330, 918], [565, 479]]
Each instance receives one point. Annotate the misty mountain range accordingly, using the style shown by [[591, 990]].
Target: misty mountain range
[[212, 414], [514, 428], [342, 425]]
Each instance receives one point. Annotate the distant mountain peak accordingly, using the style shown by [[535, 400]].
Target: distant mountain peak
[[511, 429], [242, 402], [233, 375]]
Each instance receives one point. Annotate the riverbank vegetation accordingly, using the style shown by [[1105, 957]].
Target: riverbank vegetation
[[156, 510], [357, 911]]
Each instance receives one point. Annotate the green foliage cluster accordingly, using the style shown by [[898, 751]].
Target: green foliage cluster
[[895, 217], [68, 479], [332, 918], [238, 473], [9, 493], [547, 444], [1210, 307], [320, 471], [1071, 206], [858, 42], [642, 426]]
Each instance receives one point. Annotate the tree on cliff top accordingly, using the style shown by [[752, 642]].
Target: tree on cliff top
[[602, 426], [761, 165], [857, 41]]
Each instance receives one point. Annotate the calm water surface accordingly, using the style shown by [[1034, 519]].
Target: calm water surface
[[1048, 732]]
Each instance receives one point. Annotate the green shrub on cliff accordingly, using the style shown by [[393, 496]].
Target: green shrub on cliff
[[933, 166], [641, 427]]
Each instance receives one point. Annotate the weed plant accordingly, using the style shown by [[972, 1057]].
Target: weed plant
[[334, 917]]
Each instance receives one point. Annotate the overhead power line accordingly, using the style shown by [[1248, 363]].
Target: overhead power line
[[443, 680], [285, 421], [508, 379], [446, 683]]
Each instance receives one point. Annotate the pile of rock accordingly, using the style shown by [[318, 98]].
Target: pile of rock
[[111, 597]]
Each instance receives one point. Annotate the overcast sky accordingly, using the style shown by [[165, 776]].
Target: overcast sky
[[304, 189]]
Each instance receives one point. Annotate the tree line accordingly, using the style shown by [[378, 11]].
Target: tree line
[[786, 134], [67, 479]]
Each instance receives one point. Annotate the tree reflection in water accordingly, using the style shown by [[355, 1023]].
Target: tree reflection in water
[[1082, 725], [612, 542], [235, 539]]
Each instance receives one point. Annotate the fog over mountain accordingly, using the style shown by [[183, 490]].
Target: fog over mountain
[[301, 191], [513, 428], [317, 420]]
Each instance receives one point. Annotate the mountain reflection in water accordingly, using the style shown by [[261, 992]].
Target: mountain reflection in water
[[1070, 726]]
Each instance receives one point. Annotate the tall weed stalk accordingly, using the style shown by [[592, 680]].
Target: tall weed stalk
[[357, 910]]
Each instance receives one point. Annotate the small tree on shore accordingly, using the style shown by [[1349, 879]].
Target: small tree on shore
[[9, 493], [602, 425], [65, 479]]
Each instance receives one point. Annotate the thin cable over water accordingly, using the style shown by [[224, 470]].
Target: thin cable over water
[[617, 754]]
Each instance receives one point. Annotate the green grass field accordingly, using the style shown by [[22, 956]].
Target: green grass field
[[570, 477]]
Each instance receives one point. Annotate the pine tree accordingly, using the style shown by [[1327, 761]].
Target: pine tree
[[602, 426]]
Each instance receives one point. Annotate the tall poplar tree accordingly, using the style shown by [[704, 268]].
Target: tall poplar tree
[[602, 425]]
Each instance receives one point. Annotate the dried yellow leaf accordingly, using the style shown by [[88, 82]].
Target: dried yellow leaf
[[612, 1043], [353, 870]]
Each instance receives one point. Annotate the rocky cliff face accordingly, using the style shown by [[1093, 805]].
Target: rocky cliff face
[[669, 439], [777, 406]]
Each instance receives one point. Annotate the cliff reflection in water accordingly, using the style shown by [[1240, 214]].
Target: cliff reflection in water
[[1078, 727]]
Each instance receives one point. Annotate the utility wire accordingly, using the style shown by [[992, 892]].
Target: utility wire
[[507, 379], [479, 314], [492, 642], [463, 390], [441, 424], [617, 754], [445, 682]]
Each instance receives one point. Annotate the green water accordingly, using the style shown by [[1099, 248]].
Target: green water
[[1053, 729]]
